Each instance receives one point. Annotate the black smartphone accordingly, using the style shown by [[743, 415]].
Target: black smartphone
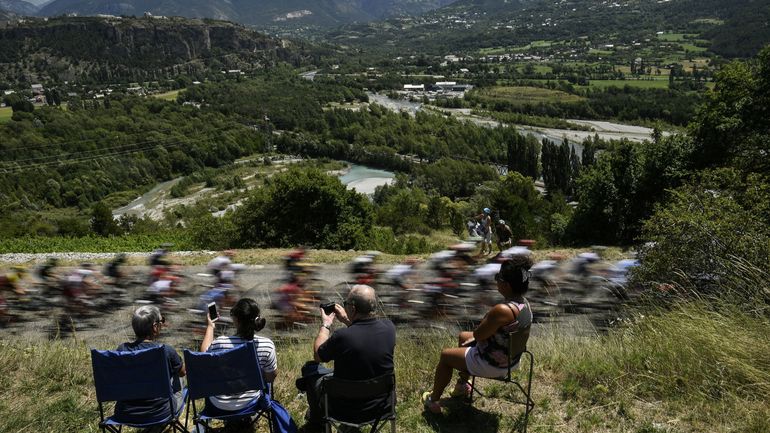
[[213, 312], [328, 307]]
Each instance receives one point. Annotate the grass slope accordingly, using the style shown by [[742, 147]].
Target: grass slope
[[5, 114], [690, 369]]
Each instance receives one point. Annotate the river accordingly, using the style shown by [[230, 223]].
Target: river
[[365, 179], [605, 130]]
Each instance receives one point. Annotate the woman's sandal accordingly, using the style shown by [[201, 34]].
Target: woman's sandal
[[430, 405], [462, 389]]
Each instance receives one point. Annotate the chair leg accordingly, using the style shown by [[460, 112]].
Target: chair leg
[[392, 426], [530, 404], [473, 389]]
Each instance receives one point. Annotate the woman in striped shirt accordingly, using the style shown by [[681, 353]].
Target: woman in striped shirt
[[247, 321]]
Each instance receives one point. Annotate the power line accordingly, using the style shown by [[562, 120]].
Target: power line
[[108, 148], [95, 157]]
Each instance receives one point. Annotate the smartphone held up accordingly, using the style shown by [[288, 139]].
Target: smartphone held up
[[213, 314]]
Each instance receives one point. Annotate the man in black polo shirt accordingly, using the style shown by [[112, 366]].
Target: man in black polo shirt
[[363, 350]]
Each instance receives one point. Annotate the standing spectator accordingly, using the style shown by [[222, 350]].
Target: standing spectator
[[504, 235], [147, 323], [485, 230], [247, 321], [363, 350]]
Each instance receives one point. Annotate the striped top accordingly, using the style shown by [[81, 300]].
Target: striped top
[[267, 361]]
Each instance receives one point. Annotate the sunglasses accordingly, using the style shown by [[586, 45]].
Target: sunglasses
[[161, 321]]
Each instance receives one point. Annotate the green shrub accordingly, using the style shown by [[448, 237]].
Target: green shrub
[[710, 239]]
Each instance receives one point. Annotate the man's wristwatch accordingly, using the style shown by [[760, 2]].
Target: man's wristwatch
[[329, 327]]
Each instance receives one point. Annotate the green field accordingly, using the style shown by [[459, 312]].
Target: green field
[[167, 96], [676, 37], [642, 84], [692, 48], [526, 95], [519, 48], [5, 114]]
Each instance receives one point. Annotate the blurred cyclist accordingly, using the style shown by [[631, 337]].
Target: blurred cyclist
[[113, 269]]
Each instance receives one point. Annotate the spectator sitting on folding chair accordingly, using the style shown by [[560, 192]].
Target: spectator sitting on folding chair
[[363, 350], [484, 352], [247, 321], [147, 323]]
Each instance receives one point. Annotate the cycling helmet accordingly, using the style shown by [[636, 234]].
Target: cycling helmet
[[487, 210], [501, 222]]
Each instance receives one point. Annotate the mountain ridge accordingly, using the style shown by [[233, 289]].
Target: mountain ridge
[[91, 49], [266, 12], [18, 7]]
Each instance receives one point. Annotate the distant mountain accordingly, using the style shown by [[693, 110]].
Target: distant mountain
[[109, 50], [18, 7], [252, 12], [736, 28]]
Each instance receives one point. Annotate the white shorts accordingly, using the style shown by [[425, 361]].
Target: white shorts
[[479, 367]]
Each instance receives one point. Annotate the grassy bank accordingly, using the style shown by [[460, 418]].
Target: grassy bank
[[687, 370], [5, 114]]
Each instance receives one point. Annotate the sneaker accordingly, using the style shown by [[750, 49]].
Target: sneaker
[[430, 405], [462, 389]]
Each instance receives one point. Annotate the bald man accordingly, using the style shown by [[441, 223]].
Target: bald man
[[362, 350]]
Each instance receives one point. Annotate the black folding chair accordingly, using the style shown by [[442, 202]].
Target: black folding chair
[[140, 375], [335, 392], [517, 349], [226, 372]]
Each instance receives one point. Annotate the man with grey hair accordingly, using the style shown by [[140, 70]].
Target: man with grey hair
[[363, 350], [147, 323]]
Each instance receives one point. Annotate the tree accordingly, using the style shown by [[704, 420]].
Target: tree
[[515, 200], [102, 222], [304, 207], [732, 127]]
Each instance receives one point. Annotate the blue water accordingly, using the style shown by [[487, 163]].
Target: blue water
[[360, 172]]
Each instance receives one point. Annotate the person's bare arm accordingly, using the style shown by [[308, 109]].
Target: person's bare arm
[[498, 316], [325, 332], [208, 337]]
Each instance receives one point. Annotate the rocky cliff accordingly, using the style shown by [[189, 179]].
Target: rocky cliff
[[104, 49]]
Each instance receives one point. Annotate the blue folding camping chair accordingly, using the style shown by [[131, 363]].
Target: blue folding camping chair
[[226, 372], [141, 375]]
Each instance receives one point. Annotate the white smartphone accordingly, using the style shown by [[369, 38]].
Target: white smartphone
[[213, 312]]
